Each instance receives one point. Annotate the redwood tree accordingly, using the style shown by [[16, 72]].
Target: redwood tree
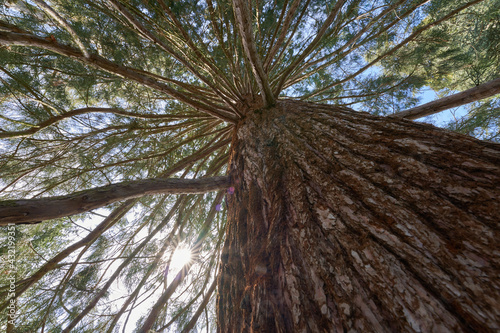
[[326, 219]]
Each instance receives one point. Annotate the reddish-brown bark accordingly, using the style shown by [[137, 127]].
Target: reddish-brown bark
[[346, 222]]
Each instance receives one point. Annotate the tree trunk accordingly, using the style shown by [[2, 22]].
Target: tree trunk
[[347, 222]]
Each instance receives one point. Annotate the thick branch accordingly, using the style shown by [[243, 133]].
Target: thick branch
[[76, 112], [10, 37], [152, 37], [52, 13], [243, 19], [34, 210], [484, 90]]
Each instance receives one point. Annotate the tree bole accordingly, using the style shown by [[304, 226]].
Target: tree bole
[[347, 222]]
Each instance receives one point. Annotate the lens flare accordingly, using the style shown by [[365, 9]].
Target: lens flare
[[181, 257]]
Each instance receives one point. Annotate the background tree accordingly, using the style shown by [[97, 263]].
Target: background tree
[[96, 93]]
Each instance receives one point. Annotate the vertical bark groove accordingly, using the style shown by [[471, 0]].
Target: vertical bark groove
[[347, 222]]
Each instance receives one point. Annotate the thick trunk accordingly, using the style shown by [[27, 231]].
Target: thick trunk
[[347, 222]]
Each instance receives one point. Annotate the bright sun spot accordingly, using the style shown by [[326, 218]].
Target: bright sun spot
[[182, 256]]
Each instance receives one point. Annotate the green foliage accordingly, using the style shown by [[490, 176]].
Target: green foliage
[[456, 55], [481, 121]]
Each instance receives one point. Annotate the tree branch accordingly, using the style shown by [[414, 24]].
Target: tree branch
[[52, 13], [243, 19], [195, 250], [11, 36], [284, 25], [116, 274], [35, 210], [484, 90], [146, 33], [52, 264], [75, 112], [317, 39], [407, 40], [189, 326], [202, 55], [341, 52]]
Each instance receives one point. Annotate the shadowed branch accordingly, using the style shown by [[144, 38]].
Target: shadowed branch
[[243, 18], [484, 90], [11, 35], [35, 210]]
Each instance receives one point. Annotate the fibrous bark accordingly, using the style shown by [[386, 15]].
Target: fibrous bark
[[346, 222]]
